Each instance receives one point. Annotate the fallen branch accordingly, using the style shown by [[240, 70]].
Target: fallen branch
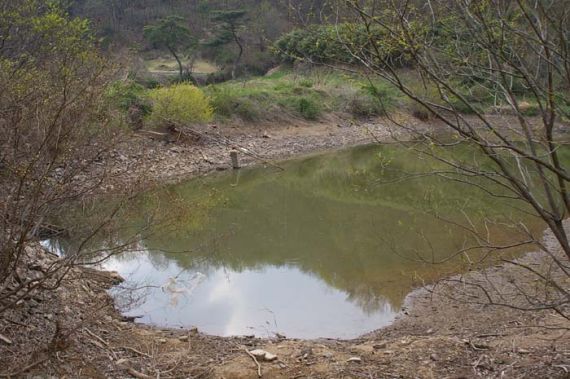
[[28, 367], [563, 367], [138, 374], [477, 363], [96, 337], [153, 133], [5, 339], [491, 335], [256, 362], [135, 351], [478, 346]]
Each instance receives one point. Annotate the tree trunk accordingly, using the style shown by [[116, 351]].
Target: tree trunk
[[180, 68], [238, 59]]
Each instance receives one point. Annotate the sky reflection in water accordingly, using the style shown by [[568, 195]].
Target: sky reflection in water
[[253, 301]]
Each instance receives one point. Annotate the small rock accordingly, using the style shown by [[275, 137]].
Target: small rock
[[162, 340], [194, 330], [115, 277], [363, 348], [354, 360], [381, 345], [130, 318], [523, 351], [270, 357], [305, 353], [183, 338], [434, 357]]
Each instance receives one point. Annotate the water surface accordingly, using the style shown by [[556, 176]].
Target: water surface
[[328, 247]]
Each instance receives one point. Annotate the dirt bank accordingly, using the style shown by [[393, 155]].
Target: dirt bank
[[75, 332], [153, 158], [147, 158]]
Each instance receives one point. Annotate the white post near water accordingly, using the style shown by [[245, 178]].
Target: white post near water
[[235, 160]]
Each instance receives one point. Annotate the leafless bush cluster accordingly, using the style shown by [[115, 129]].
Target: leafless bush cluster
[[511, 53], [54, 133]]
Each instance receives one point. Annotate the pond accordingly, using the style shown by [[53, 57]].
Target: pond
[[327, 247]]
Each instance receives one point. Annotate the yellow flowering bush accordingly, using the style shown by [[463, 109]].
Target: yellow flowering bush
[[179, 103]]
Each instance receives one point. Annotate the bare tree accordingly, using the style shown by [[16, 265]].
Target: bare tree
[[54, 137], [516, 53]]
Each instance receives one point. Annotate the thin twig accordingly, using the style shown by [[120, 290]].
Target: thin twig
[[135, 351], [138, 374], [256, 362], [28, 367], [96, 336]]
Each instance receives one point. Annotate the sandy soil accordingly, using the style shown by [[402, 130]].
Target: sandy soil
[[442, 332]]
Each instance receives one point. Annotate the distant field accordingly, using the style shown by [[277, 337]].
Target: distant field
[[169, 65]]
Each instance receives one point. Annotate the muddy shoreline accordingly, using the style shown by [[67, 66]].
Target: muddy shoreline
[[144, 159], [440, 332]]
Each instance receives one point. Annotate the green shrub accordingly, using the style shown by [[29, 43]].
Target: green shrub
[[180, 103], [469, 107], [228, 101], [478, 97], [247, 110], [279, 74], [563, 105], [126, 94], [149, 83], [529, 109], [335, 43], [222, 100], [308, 108], [371, 100], [362, 104], [480, 94], [258, 63], [420, 112]]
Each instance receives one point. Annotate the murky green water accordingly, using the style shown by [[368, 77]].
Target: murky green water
[[329, 247]]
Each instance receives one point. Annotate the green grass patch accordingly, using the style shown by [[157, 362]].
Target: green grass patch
[[285, 94]]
